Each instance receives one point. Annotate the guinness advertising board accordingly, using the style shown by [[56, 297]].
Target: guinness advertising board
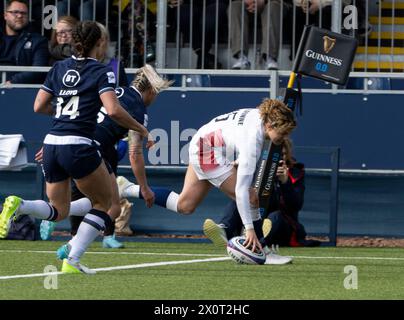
[[325, 55]]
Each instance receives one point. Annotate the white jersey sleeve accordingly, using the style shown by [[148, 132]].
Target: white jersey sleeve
[[250, 147]]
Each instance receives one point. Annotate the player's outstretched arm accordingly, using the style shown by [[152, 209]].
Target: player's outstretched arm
[[138, 167], [122, 117]]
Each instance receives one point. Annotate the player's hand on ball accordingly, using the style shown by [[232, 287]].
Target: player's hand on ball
[[251, 240]]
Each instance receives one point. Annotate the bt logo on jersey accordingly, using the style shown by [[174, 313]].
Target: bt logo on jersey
[[71, 78]]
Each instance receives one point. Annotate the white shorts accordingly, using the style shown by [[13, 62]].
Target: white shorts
[[209, 163]]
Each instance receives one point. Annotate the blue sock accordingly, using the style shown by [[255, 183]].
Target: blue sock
[[164, 197]]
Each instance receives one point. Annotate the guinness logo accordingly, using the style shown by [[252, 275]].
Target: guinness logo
[[329, 43]]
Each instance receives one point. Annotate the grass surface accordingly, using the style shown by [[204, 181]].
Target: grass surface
[[316, 273]]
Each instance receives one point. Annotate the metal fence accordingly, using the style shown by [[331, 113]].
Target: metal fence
[[206, 34], [143, 31], [365, 83], [378, 25]]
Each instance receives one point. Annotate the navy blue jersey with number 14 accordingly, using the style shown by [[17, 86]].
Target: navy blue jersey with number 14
[[76, 84]]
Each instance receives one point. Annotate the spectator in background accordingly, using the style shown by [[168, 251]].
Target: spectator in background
[[269, 11], [202, 38], [110, 60], [315, 12], [60, 46], [138, 31], [20, 47], [283, 227]]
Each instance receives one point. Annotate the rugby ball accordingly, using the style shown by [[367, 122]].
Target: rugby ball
[[241, 254]]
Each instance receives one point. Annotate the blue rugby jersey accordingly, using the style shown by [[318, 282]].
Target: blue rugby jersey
[[131, 100], [76, 84]]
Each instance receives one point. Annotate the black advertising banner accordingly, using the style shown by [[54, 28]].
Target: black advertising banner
[[265, 173], [267, 165], [325, 55], [290, 97]]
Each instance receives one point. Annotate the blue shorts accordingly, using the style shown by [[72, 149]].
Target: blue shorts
[[77, 161], [107, 148], [110, 157]]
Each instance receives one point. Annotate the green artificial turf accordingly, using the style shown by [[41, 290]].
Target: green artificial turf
[[316, 273]]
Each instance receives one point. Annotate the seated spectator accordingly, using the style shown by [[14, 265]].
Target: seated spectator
[[60, 43], [138, 31], [109, 59], [60, 47], [240, 14], [312, 12], [284, 206], [20, 47], [202, 39]]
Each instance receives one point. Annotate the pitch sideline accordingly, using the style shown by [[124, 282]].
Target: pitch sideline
[[133, 266], [120, 253], [204, 255], [164, 263]]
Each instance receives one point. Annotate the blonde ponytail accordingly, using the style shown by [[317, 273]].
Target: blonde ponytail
[[147, 78]]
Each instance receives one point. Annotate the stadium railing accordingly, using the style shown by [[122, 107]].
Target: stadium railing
[[266, 81], [380, 47]]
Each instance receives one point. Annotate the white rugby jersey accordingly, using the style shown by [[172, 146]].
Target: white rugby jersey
[[236, 135]]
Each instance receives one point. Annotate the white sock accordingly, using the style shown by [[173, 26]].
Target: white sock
[[86, 234], [80, 207], [36, 208], [132, 191], [172, 201]]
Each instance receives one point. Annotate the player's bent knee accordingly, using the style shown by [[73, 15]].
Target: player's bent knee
[[185, 207]]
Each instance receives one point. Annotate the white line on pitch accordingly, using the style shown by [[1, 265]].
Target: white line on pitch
[[347, 258], [124, 253], [201, 254], [133, 266]]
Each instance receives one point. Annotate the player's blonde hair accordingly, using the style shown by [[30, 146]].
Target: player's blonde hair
[[277, 115], [147, 78]]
